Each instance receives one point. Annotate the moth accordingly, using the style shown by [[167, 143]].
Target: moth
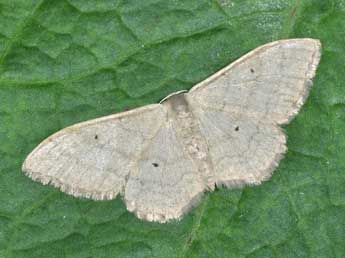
[[162, 157]]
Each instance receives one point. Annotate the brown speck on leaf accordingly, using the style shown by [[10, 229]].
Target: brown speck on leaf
[[293, 12]]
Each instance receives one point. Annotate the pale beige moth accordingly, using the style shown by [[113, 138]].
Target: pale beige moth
[[162, 157]]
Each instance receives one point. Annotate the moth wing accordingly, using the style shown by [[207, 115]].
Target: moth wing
[[270, 83], [242, 150], [94, 158], [241, 107], [166, 182]]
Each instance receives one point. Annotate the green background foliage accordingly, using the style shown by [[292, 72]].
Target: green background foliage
[[66, 61]]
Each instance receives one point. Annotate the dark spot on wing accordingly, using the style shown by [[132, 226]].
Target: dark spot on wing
[[252, 70], [96, 137], [237, 128], [155, 165]]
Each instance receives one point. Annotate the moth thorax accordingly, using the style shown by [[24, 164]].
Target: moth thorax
[[177, 105]]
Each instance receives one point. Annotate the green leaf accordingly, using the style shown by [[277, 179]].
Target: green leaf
[[66, 61]]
